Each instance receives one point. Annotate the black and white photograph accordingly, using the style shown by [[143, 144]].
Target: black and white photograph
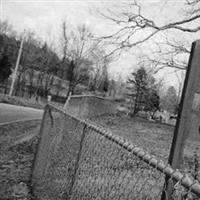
[[99, 100]]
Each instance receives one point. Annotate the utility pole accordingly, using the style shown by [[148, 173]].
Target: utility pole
[[16, 67]]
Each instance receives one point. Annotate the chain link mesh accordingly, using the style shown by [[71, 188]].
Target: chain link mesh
[[89, 106], [77, 160]]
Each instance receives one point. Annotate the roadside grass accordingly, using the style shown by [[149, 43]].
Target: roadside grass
[[30, 102], [17, 146]]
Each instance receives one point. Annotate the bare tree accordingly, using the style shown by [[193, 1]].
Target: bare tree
[[6, 28], [99, 75], [76, 47], [135, 28], [171, 53], [49, 64], [28, 61], [194, 7]]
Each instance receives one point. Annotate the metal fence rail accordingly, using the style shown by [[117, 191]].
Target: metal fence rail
[[78, 160]]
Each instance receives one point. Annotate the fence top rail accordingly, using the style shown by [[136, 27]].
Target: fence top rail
[[175, 174]]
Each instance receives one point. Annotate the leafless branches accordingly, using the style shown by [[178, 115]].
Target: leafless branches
[[194, 7], [168, 54], [135, 28]]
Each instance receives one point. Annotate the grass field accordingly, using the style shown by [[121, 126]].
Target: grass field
[[155, 138]]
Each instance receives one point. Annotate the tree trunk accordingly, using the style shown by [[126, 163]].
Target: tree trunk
[[18, 85], [5, 87], [31, 83], [58, 87], [48, 84], [136, 105], [39, 86], [71, 88], [135, 110]]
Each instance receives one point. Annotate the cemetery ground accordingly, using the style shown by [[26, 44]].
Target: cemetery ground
[[154, 138], [19, 143]]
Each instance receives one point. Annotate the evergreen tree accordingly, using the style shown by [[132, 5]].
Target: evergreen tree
[[152, 103], [139, 80], [145, 92], [5, 68]]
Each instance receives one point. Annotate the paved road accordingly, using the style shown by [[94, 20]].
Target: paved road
[[11, 113]]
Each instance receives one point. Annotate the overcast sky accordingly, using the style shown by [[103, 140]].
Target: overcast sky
[[45, 18]]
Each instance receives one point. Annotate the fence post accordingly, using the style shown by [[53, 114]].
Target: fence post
[[46, 109], [188, 122]]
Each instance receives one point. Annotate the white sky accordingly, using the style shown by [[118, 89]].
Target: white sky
[[45, 18]]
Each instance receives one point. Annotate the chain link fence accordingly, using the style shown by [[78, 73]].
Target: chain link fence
[[88, 106], [76, 159]]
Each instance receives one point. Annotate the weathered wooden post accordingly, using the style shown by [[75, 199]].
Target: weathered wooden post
[[188, 122]]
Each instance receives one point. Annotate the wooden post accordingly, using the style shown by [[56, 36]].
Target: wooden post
[[188, 121]]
